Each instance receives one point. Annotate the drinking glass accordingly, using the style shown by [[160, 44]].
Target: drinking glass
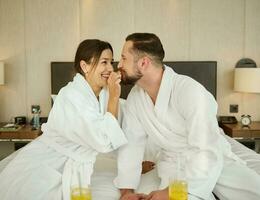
[[178, 186], [178, 190], [79, 193]]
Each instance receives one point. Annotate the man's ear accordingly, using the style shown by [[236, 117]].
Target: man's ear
[[144, 62], [84, 66]]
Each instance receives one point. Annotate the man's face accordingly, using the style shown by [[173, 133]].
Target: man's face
[[128, 65]]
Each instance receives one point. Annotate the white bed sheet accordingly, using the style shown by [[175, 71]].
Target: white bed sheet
[[105, 171], [251, 157], [106, 167]]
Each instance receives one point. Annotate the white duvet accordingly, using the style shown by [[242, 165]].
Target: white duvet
[[105, 171]]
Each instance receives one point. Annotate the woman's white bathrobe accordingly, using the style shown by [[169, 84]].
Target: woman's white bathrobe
[[78, 128], [183, 121]]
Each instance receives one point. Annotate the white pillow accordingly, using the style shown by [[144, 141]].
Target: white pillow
[[53, 96]]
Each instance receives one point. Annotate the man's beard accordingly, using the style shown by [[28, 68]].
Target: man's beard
[[126, 79]]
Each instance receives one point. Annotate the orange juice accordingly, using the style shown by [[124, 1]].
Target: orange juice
[[178, 190], [80, 194]]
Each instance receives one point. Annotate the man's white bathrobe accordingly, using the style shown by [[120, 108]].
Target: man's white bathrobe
[[78, 128], [183, 121]]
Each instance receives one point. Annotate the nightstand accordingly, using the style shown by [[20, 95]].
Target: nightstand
[[240, 133], [14, 140], [25, 133]]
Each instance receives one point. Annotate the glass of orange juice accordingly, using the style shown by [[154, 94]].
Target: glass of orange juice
[[178, 190], [178, 186], [80, 193]]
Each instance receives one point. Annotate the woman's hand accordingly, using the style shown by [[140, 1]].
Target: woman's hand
[[114, 89], [114, 86], [158, 195], [133, 196]]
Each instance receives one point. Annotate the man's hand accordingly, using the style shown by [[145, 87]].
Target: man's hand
[[158, 195], [147, 166], [133, 196]]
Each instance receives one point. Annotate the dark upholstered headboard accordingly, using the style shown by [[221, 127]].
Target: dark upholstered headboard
[[204, 72]]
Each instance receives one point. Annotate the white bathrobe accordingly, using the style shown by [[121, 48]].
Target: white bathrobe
[[78, 128], [182, 122]]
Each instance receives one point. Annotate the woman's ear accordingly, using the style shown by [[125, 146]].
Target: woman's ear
[[84, 66]]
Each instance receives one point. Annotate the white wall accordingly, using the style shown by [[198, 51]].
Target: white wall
[[35, 32]]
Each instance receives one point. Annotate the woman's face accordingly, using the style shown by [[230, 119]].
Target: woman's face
[[98, 75]]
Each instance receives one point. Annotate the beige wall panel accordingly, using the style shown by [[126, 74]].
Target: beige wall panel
[[13, 93], [217, 30], [252, 50], [169, 19], [52, 34], [107, 20], [252, 37], [34, 32]]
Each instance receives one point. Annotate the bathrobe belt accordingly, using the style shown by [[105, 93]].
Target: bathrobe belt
[[77, 169]]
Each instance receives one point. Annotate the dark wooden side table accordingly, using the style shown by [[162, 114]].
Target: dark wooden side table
[[25, 133], [240, 133], [14, 140]]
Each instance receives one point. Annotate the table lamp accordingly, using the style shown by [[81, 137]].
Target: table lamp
[[2, 73], [247, 80]]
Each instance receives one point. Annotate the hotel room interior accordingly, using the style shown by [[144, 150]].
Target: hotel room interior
[[218, 39]]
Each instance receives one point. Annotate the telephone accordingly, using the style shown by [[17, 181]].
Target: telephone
[[227, 119]]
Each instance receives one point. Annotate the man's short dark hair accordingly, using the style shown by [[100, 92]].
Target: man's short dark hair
[[147, 43]]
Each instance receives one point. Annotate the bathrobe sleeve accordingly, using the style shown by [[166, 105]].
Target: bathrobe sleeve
[[79, 121], [205, 160], [130, 156]]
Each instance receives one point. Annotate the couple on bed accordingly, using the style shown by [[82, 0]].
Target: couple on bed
[[174, 112]]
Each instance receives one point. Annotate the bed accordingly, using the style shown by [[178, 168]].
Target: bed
[[102, 179], [105, 167]]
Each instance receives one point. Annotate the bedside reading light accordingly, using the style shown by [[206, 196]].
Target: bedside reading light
[[247, 80], [2, 73]]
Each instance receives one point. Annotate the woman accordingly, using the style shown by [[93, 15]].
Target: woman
[[81, 123]]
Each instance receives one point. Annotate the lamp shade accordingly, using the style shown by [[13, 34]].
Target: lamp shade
[[247, 80], [2, 73]]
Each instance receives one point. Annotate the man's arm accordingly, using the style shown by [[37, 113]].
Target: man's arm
[[205, 159]]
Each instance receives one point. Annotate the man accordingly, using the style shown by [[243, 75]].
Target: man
[[179, 116]]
